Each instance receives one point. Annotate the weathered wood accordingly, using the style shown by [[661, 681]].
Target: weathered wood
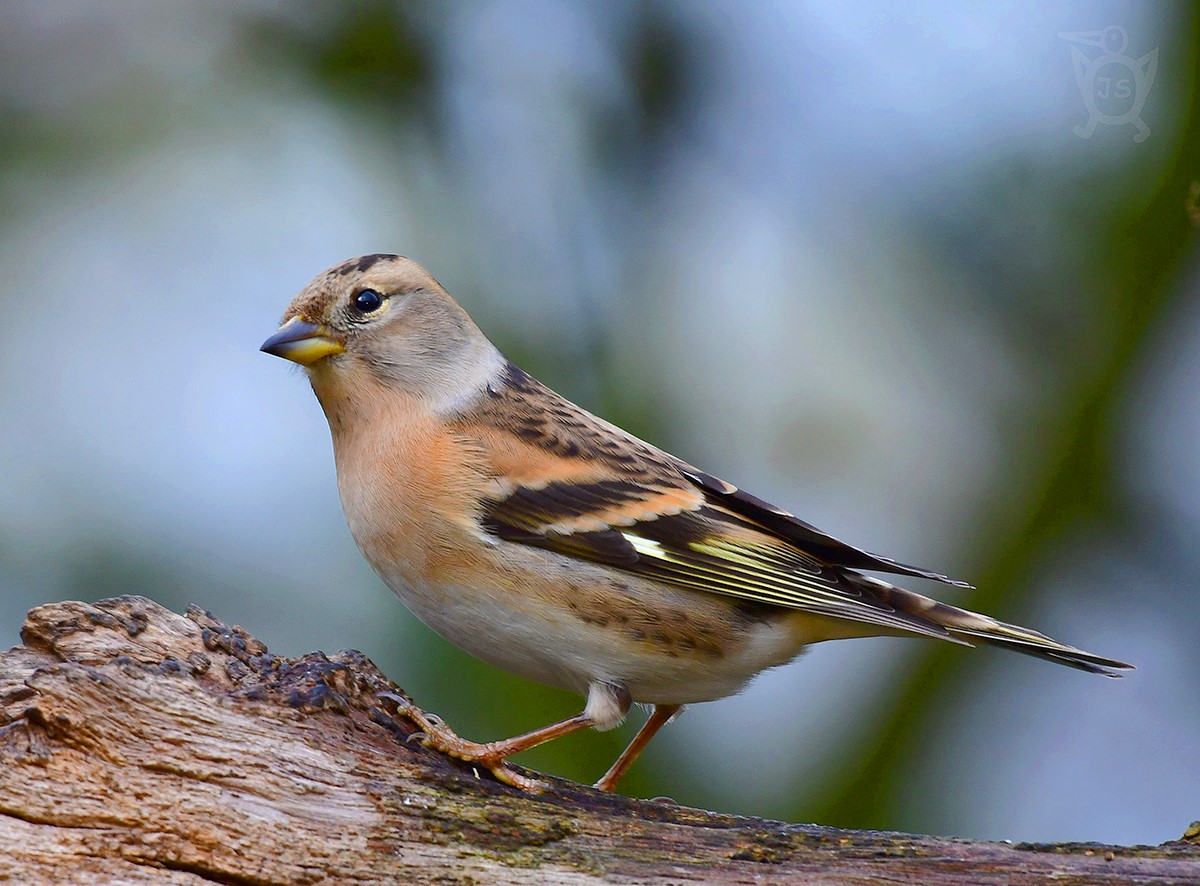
[[139, 746]]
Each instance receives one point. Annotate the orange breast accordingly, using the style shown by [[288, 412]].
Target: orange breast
[[409, 487]]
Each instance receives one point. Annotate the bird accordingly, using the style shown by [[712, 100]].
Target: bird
[[551, 543]]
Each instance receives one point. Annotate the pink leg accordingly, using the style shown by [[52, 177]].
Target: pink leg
[[662, 713]]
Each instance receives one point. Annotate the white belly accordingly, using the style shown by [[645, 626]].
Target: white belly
[[551, 644]]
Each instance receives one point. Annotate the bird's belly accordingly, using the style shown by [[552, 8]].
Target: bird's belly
[[499, 631], [571, 623]]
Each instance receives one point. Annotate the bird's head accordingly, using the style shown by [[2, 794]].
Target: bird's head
[[384, 320]]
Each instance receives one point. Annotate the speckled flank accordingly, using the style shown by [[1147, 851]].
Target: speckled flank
[[670, 631]]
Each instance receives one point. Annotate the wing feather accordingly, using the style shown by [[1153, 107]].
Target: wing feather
[[589, 490], [698, 550], [567, 481], [807, 536]]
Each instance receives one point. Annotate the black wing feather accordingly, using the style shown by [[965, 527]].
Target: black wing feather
[[692, 550], [805, 535]]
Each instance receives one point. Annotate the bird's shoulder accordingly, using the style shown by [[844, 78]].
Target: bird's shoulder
[[535, 439]]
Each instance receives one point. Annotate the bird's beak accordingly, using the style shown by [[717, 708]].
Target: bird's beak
[[303, 342], [1088, 38]]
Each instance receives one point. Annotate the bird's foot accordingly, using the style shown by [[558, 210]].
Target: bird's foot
[[435, 734]]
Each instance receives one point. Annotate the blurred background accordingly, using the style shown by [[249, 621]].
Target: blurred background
[[855, 258]]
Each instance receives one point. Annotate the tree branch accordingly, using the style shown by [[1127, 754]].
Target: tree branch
[[142, 746]]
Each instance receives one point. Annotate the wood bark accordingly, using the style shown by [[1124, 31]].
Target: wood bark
[[141, 746]]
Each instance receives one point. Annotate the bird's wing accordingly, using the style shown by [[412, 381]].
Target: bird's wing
[[788, 526], [569, 482]]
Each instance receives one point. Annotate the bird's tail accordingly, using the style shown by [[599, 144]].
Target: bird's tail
[[973, 628]]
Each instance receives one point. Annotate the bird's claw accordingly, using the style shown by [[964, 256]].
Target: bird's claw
[[433, 733]]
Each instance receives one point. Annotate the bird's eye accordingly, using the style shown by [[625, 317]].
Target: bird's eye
[[368, 301]]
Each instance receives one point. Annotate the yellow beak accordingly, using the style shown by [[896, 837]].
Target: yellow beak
[[303, 342]]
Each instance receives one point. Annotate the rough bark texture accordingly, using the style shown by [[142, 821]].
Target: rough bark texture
[[139, 746]]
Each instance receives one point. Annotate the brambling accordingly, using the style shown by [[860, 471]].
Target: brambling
[[555, 545]]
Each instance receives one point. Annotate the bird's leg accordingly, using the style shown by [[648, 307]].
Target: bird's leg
[[490, 755], [662, 713]]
